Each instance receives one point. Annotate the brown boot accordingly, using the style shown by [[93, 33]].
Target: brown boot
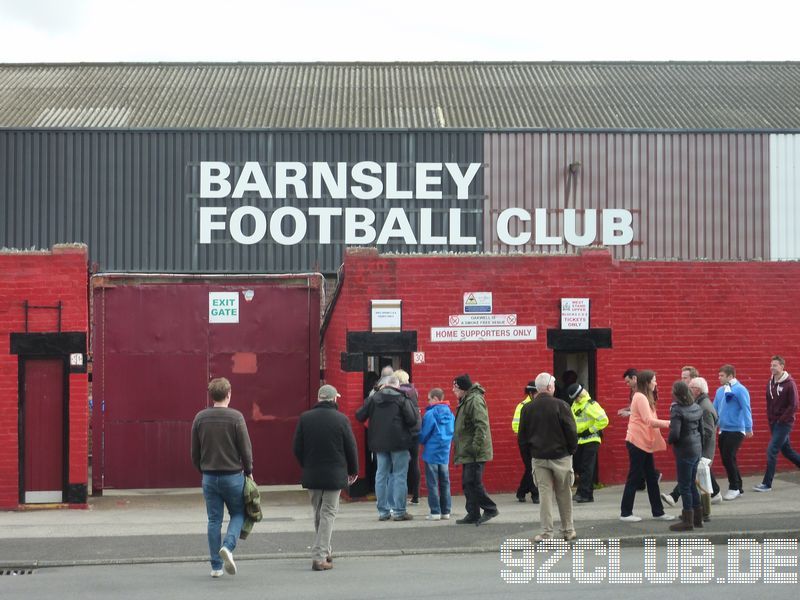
[[321, 565], [698, 518], [685, 524], [705, 501]]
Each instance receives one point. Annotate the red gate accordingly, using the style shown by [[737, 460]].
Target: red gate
[[154, 353]]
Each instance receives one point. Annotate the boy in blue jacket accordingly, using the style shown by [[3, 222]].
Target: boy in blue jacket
[[732, 403], [436, 435]]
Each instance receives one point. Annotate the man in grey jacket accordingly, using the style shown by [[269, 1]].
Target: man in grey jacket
[[221, 450]]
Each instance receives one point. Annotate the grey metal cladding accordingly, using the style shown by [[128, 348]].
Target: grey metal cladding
[[133, 196], [481, 95]]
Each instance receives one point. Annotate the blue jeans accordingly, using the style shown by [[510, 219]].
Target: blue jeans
[[779, 443], [687, 475], [437, 479], [220, 491], [391, 485]]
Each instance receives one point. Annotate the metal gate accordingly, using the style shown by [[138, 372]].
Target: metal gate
[[155, 350]]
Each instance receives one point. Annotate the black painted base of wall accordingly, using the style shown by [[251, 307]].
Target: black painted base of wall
[[77, 493]]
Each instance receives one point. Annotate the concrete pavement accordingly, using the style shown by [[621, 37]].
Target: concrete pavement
[[169, 525]]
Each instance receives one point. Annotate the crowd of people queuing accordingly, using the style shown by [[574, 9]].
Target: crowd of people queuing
[[559, 432]]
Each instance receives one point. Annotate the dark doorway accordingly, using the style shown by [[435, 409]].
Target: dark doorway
[[571, 367], [42, 430], [374, 364]]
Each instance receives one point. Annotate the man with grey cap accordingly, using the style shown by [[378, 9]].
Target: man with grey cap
[[326, 450], [549, 429]]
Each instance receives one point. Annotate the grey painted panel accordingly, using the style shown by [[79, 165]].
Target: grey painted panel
[[132, 196], [785, 196], [693, 196]]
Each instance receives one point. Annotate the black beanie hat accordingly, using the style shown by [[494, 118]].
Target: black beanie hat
[[463, 382], [531, 387], [574, 390]]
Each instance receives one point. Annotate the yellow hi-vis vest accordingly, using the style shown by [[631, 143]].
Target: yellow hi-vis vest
[[590, 419], [517, 412]]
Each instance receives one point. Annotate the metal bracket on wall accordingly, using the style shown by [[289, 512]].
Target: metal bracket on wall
[[27, 306]]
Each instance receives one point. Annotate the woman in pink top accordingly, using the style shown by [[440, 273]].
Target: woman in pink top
[[642, 440]]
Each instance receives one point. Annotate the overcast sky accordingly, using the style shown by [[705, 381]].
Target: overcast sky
[[403, 30]]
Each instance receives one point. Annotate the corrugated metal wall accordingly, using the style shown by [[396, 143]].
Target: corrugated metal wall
[[785, 197], [133, 196], [693, 196]]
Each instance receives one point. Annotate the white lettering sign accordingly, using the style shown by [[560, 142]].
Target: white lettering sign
[[483, 334], [369, 180], [223, 307]]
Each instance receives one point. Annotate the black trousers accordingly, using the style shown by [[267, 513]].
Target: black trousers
[[413, 469], [583, 462], [474, 492], [642, 465], [526, 485], [729, 443]]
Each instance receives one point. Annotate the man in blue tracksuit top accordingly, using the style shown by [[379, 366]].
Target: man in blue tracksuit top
[[732, 403], [437, 434]]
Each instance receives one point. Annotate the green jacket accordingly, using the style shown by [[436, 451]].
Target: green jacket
[[473, 438], [252, 507]]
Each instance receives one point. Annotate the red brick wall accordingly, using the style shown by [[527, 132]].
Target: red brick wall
[[663, 315], [42, 278]]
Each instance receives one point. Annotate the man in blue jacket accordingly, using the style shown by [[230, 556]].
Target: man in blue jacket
[[436, 435], [732, 403]]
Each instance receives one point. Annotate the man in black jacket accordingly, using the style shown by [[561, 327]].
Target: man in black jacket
[[391, 416], [548, 428], [326, 449]]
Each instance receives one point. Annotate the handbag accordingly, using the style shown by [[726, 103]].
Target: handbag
[[704, 476]]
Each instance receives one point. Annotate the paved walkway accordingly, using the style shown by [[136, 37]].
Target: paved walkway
[[169, 525]]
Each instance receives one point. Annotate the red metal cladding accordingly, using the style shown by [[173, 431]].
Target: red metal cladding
[[693, 196], [158, 352], [44, 425]]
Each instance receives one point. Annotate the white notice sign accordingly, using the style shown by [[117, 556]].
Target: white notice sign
[[483, 334], [481, 320], [575, 313], [223, 307], [387, 315], [477, 302]]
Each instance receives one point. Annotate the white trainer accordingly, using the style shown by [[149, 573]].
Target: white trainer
[[716, 498], [631, 519], [433, 517], [227, 558], [731, 495], [217, 573], [668, 499], [446, 516], [665, 517]]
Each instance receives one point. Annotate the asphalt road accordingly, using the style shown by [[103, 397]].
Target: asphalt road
[[461, 576]]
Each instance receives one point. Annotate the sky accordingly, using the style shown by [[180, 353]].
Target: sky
[[404, 30]]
